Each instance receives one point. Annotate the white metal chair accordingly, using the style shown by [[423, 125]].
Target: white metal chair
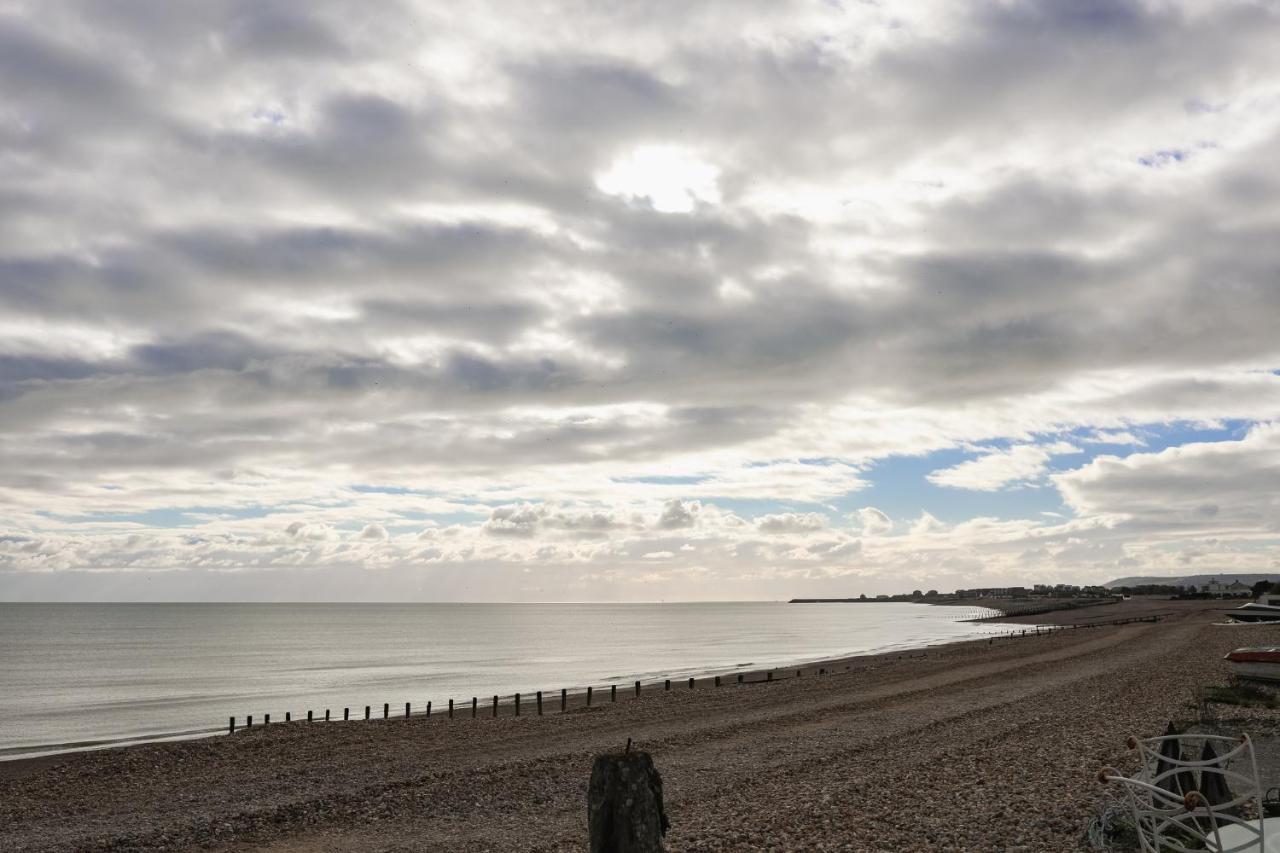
[[1185, 803]]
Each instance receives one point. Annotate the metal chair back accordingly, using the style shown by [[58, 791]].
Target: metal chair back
[[1186, 804]]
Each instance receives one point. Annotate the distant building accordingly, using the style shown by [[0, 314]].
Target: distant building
[[993, 592], [1232, 589]]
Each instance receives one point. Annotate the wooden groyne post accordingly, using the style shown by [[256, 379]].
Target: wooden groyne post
[[539, 703], [624, 804]]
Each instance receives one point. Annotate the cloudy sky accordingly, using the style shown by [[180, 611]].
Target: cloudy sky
[[634, 300]]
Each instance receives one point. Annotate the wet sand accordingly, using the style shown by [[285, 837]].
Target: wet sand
[[972, 746]]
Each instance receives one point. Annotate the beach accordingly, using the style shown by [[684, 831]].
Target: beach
[[978, 745]]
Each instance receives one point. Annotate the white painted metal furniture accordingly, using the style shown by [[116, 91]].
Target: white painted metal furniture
[[1171, 810]]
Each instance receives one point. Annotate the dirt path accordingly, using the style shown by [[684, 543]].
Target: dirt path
[[974, 747]]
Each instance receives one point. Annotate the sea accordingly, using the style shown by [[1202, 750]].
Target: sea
[[84, 676]]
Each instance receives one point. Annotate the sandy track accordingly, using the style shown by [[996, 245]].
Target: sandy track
[[975, 747]]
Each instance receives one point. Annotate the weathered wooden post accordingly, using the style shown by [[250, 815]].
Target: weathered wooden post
[[690, 683], [266, 719], [667, 686], [613, 693], [624, 804], [288, 716], [346, 714], [495, 707], [451, 709], [428, 710], [366, 712], [637, 690], [309, 718], [717, 681], [248, 721], [739, 678], [475, 705], [386, 710], [564, 699], [539, 703], [232, 729], [588, 697], [406, 709], [326, 715]]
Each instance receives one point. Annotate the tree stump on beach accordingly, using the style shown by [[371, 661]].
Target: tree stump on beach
[[624, 804]]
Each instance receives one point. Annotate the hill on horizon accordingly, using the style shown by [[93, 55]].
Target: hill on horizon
[[1193, 580]]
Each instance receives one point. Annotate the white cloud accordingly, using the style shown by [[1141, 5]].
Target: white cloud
[[872, 521], [791, 522], [995, 469], [1227, 486], [670, 178]]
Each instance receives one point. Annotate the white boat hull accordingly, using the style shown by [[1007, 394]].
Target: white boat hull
[[1257, 670], [1256, 613]]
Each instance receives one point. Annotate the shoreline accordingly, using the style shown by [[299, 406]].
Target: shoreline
[[914, 741], [21, 753], [15, 764], [18, 765]]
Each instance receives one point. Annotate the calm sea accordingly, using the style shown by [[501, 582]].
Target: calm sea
[[85, 674]]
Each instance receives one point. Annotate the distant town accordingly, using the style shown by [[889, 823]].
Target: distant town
[[1212, 588]]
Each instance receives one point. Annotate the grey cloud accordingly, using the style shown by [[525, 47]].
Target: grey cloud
[[205, 351], [300, 245], [374, 532], [676, 516], [52, 83]]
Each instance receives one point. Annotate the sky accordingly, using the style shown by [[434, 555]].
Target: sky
[[634, 301]]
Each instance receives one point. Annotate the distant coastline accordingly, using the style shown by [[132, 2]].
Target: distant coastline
[[1003, 606]]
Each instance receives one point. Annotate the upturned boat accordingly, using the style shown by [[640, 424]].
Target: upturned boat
[[1260, 663]]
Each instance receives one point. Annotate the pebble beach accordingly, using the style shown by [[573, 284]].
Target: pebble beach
[[979, 745]]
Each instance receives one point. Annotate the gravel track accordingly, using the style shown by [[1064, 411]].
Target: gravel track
[[975, 746]]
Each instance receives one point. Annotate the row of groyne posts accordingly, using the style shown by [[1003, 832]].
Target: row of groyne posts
[[767, 676], [453, 709]]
